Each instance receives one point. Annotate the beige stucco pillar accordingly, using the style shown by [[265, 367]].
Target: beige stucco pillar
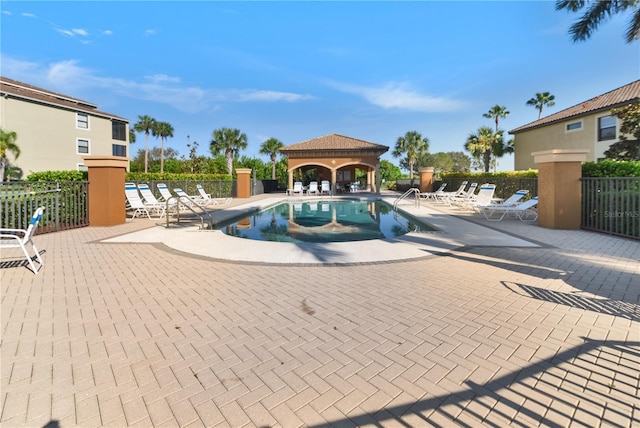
[[333, 181], [378, 179], [244, 182], [107, 201], [426, 179], [290, 181], [559, 187]]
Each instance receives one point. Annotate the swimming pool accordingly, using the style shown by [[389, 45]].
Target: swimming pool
[[324, 221]]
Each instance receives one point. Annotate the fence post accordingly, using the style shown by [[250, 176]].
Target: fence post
[[107, 206], [244, 182], [426, 179], [559, 187]]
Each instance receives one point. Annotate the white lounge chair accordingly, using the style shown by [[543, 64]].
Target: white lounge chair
[[325, 187], [165, 192], [465, 196], [151, 201], [483, 198], [187, 199], [208, 200], [297, 188], [19, 238], [525, 211], [513, 199], [447, 196], [135, 202], [313, 188], [433, 195]]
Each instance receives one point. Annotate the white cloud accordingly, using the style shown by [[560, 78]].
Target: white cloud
[[73, 32], [158, 78], [72, 78], [29, 15], [65, 32], [263, 95], [107, 32], [150, 32], [6, 12], [395, 95]]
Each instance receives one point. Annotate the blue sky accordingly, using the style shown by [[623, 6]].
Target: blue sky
[[300, 70]]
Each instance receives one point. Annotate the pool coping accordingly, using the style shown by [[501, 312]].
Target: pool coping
[[453, 233]]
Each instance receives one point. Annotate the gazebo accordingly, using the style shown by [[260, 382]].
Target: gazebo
[[336, 157]]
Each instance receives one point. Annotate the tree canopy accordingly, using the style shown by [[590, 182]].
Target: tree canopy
[[627, 148], [412, 145], [229, 142], [596, 11]]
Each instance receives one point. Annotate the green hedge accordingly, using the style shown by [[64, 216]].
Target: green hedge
[[58, 176], [156, 176], [478, 176], [611, 168]]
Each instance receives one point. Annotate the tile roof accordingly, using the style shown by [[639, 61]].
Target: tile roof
[[609, 100], [29, 92], [334, 142]]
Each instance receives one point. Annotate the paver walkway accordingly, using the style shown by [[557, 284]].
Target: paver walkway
[[138, 335]]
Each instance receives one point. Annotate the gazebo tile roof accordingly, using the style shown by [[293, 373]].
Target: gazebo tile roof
[[611, 99], [334, 142]]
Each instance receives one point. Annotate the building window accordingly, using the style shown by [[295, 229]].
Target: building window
[[573, 126], [118, 130], [82, 146], [119, 150], [82, 121], [606, 128]]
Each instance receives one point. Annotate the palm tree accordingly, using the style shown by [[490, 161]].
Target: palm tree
[[596, 12], [162, 130], [414, 145], [484, 144], [7, 143], [230, 142], [271, 147], [542, 99], [497, 112], [145, 124]]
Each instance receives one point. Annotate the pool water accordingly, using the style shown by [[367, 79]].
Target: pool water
[[324, 221]]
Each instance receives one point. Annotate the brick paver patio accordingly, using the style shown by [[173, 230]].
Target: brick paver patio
[[121, 335]]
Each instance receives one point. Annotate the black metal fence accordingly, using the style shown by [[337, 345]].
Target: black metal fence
[[612, 205], [66, 204]]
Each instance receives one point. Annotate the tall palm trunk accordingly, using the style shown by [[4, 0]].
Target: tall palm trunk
[[487, 160], [146, 153], [162, 155], [229, 154], [273, 166]]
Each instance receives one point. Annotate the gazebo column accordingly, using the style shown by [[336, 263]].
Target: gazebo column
[[290, 185], [334, 175], [370, 179]]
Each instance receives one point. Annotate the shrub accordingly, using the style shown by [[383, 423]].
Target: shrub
[[156, 176], [611, 168], [71, 175]]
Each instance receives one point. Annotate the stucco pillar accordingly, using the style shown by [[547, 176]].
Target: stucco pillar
[[426, 179], [333, 181], [244, 182], [290, 181], [378, 179], [559, 187], [107, 201]]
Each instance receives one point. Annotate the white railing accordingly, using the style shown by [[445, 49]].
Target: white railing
[[413, 190]]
